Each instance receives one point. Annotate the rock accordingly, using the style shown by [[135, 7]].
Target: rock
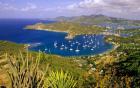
[[93, 69], [90, 65], [101, 72], [80, 65]]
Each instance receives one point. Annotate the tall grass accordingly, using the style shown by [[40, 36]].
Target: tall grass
[[24, 72]]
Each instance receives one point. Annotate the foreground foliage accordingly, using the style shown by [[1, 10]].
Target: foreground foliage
[[116, 69], [60, 80], [24, 72]]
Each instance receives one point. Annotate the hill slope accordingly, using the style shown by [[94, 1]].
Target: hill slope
[[97, 19]]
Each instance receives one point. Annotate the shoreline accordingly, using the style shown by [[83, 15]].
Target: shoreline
[[115, 46], [70, 34], [100, 54]]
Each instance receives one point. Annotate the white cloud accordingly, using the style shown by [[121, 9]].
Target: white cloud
[[29, 7], [9, 7], [6, 6], [118, 7]]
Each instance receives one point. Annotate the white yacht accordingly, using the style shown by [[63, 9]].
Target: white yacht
[[55, 44], [46, 49], [66, 47], [84, 37], [71, 45], [69, 41], [77, 50], [77, 42], [98, 43], [61, 48], [62, 45], [71, 49]]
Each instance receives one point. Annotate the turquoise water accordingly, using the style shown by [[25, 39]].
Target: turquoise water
[[51, 42]]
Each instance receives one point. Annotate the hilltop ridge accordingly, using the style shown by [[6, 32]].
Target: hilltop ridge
[[96, 19]]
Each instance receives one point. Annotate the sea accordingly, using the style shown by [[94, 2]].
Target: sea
[[51, 42]]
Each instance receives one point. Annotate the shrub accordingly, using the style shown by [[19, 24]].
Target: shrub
[[25, 75], [60, 80], [24, 72]]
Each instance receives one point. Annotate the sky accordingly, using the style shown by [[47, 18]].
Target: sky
[[129, 9]]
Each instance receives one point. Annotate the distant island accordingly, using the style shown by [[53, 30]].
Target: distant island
[[119, 67], [80, 25], [96, 19], [71, 28]]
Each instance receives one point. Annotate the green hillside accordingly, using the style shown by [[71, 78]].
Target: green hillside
[[97, 19], [71, 28]]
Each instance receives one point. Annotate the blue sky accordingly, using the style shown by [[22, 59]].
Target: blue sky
[[53, 8]]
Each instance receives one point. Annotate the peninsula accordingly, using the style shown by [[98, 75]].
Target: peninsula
[[71, 28]]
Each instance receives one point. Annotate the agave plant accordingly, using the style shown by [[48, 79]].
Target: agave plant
[[25, 75], [60, 80], [24, 72]]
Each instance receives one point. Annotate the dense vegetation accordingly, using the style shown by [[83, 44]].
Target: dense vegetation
[[56, 64], [119, 68], [24, 72], [128, 64], [10, 47]]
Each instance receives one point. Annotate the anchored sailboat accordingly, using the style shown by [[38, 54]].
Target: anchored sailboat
[[55, 44], [77, 50]]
